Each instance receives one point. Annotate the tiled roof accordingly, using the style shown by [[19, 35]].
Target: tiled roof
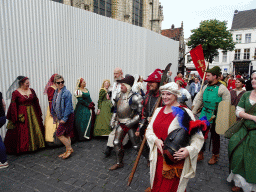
[[244, 19], [172, 33]]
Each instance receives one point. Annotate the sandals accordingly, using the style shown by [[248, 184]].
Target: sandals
[[66, 154]]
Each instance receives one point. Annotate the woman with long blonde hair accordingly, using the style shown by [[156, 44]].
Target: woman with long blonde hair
[[104, 114]]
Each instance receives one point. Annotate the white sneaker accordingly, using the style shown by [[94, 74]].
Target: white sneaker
[[4, 165]]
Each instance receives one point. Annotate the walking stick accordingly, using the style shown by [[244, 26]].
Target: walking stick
[[141, 148], [159, 100]]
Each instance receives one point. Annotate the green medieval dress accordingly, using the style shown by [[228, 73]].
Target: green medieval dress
[[102, 127], [243, 161], [83, 117]]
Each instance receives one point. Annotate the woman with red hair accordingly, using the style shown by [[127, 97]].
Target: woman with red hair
[[84, 111], [50, 127]]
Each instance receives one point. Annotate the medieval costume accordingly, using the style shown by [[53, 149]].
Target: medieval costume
[[125, 118], [84, 113], [164, 177], [242, 161], [149, 103], [210, 97], [50, 127], [25, 127], [102, 127], [236, 96]]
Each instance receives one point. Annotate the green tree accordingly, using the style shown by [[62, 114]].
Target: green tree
[[212, 35]]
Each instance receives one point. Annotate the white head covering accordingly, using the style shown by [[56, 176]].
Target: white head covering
[[170, 87]]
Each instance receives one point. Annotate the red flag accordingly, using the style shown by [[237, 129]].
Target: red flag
[[197, 56]]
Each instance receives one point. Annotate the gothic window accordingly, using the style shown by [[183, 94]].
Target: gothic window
[[59, 1], [102, 7], [137, 12]]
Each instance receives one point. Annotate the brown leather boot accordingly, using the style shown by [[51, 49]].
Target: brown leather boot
[[148, 189], [116, 166], [200, 156], [214, 159]]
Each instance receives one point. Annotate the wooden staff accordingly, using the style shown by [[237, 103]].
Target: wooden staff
[[159, 100], [207, 63]]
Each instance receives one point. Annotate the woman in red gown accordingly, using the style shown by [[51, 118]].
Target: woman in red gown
[[162, 123], [25, 127]]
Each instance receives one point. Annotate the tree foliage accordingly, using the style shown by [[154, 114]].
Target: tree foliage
[[212, 35]]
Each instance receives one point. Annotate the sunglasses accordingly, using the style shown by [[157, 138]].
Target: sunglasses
[[61, 82]]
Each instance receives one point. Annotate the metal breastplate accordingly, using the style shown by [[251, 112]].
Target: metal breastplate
[[124, 111]]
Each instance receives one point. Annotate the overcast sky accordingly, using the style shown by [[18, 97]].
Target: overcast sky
[[192, 12]]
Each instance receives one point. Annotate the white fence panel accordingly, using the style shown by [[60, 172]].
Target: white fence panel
[[39, 38]]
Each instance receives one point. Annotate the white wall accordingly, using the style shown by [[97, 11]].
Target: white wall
[[40, 37]]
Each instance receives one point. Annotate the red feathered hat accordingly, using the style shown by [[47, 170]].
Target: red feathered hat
[[155, 77]]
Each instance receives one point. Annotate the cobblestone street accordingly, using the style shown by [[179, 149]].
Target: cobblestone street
[[87, 170]]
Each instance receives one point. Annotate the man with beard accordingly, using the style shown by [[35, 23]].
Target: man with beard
[[210, 97], [149, 103], [125, 118]]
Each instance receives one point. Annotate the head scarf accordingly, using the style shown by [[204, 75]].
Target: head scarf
[[171, 87], [15, 85], [50, 83]]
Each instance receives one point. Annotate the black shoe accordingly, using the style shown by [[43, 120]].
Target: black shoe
[[108, 151]]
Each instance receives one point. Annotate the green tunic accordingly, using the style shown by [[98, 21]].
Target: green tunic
[[244, 158], [83, 117], [103, 119], [211, 100]]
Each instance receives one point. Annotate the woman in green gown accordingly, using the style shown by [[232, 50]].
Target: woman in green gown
[[104, 114], [243, 160], [84, 111]]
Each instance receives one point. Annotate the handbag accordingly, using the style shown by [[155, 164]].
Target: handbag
[[237, 126]]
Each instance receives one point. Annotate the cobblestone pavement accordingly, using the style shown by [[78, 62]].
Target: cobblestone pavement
[[87, 170]]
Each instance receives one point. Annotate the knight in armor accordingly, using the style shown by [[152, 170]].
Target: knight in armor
[[149, 103], [113, 91], [125, 118], [210, 97]]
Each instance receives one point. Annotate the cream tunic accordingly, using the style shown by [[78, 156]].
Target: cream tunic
[[195, 146]]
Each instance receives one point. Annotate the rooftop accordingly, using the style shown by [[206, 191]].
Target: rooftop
[[244, 19]]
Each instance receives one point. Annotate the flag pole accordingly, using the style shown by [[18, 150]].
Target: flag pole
[[207, 63]]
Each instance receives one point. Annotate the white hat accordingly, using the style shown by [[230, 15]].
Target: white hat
[[171, 87]]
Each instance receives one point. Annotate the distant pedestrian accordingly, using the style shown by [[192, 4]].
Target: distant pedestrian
[[237, 93], [102, 127], [231, 83], [185, 95], [242, 146], [3, 157], [63, 114], [25, 126], [194, 88]]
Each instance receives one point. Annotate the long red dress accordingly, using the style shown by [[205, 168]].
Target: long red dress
[[160, 127], [25, 113]]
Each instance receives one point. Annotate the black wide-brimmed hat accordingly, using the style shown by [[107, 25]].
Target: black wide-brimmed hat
[[128, 80]]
